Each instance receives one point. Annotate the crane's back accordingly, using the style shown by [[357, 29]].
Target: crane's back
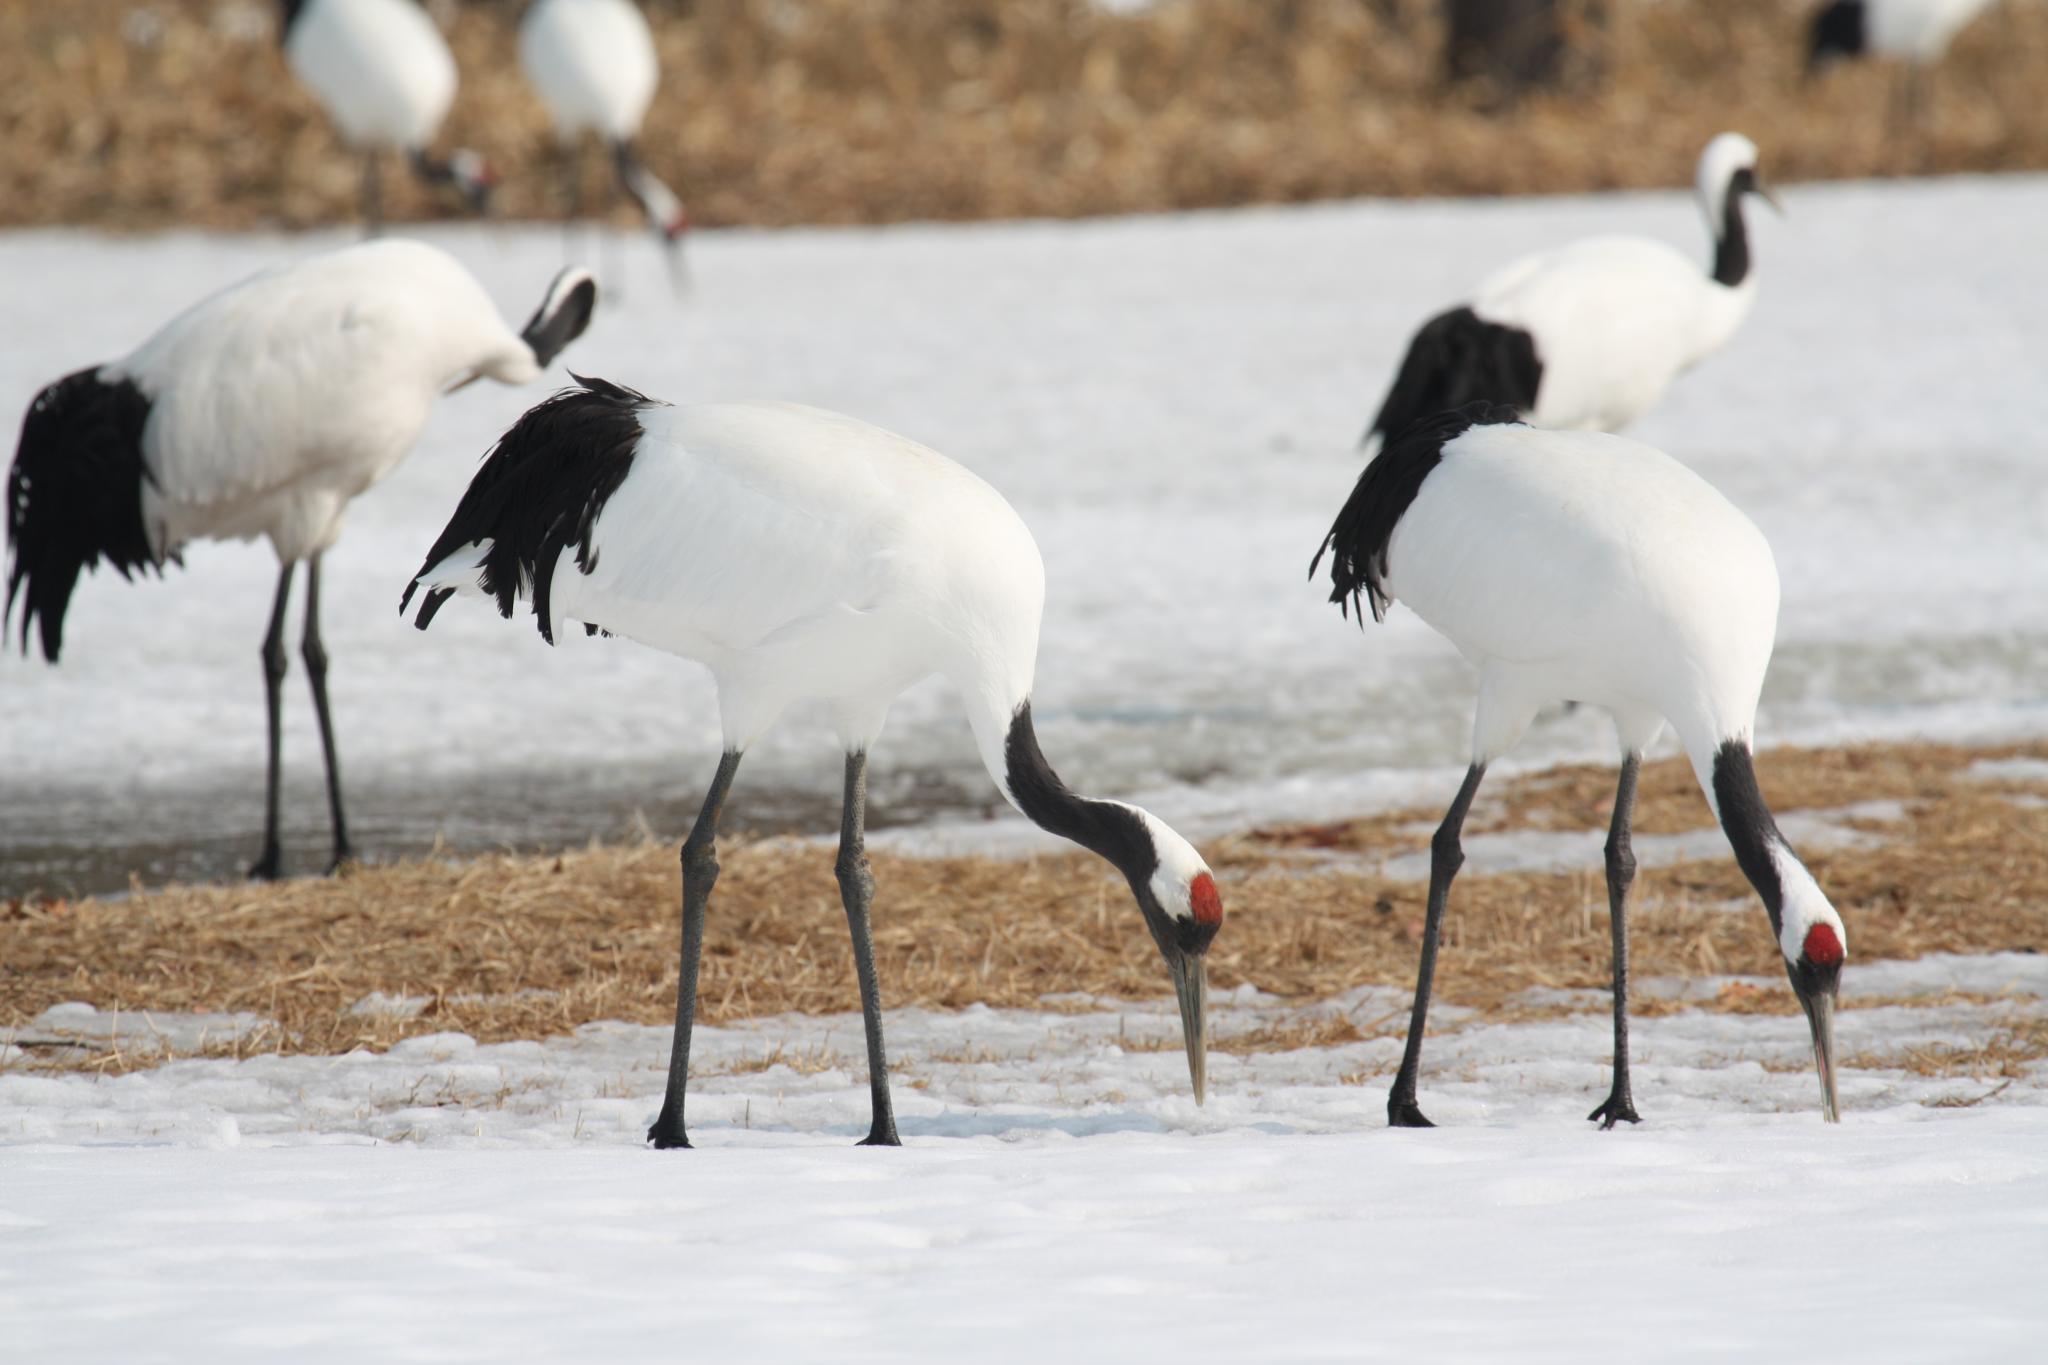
[[1589, 567]]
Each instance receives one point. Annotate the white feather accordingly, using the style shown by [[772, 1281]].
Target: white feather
[[1593, 568], [1917, 30], [593, 64], [1616, 319], [280, 398], [380, 69]]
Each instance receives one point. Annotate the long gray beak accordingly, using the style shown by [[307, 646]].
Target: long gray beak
[[1191, 984], [459, 385], [1820, 1014], [1769, 196]]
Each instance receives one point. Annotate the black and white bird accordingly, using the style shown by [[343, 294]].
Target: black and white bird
[[594, 66], [1915, 32], [800, 556], [260, 412], [1585, 566], [1588, 336], [384, 74]]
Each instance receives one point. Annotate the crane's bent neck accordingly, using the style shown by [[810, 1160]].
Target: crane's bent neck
[[1791, 896], [1117, 832]]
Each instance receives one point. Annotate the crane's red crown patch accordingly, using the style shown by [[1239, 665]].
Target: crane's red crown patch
[[1823, 947], [1204, 899]]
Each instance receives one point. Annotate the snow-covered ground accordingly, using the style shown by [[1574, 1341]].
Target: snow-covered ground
[[1171, 403], [1059, 1194]]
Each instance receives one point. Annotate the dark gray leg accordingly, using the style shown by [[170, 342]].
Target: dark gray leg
[[315, 654], [268, 866], [857, 892], [700, 874], [569, 159], [1621, 872], [373, 196], [1445, 857]]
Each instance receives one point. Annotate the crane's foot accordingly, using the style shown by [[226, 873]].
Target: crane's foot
[[344, 861], [667, 1132], [1405, 1113], [269, 867], [882, 1134], [1618, 1108]]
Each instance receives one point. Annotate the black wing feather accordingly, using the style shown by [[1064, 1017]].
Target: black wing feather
[[539, 491], [74, 496], [1458, 358], [1357, 541]]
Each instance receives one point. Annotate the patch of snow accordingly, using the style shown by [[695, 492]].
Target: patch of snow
[[1059, 1191], [2033, 771]]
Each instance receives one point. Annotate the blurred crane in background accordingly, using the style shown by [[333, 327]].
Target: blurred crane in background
[[593, 64], [385, 76]]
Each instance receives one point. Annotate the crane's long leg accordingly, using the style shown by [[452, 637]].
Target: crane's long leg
[[1445, 857], [570, 157], [315, 654], [373, 196], [857, 892], [1621, 872], [267, 867], [700, 874]]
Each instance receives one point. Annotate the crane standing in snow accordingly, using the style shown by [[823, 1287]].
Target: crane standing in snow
[[385, 76], [800, 555], [260, 412], [593, 64], [1916, 32], [1590, 335], [1587, 566]]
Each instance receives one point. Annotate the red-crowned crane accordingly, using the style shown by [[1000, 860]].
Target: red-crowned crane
[[260, 411], [1584, 566], [1915, 32], [1588, 335], [384, 74], [800, 555], [593, 64]]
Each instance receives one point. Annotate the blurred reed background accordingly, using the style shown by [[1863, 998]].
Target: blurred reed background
[[148, 113]]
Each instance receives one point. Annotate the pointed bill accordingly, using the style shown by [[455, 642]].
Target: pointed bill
[[1191, 984], [1820, 1015]]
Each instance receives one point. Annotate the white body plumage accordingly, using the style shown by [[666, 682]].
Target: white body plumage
[[1587, 336], [1615, 320], [280, 398], [1917, 30], [380, 68], [593, 64]]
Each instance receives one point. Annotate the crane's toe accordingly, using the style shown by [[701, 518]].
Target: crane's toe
[[881, 1135], [1617, 1108], [1406, 1114], [267, 868]]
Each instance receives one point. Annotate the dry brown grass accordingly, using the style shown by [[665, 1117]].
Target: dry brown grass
[[510, 947], [141, 113]]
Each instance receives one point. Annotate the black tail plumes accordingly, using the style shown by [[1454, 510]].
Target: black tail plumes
[[1458, 358], [74, 496], [539, 492], [1357, 542]]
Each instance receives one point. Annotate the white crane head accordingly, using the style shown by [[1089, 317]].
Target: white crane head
[[474, 177], [1183, 909], [1727, 171], [1815, 945]]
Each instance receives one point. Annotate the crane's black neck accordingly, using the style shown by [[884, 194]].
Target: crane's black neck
[[292, 10], [1107, 828], [1731, 240], [1752, 831]]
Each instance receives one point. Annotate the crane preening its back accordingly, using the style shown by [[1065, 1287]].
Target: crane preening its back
[[1588, 336], [1583, 566], [800, 555], [260, 411], [385, 76], [593, 64]]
